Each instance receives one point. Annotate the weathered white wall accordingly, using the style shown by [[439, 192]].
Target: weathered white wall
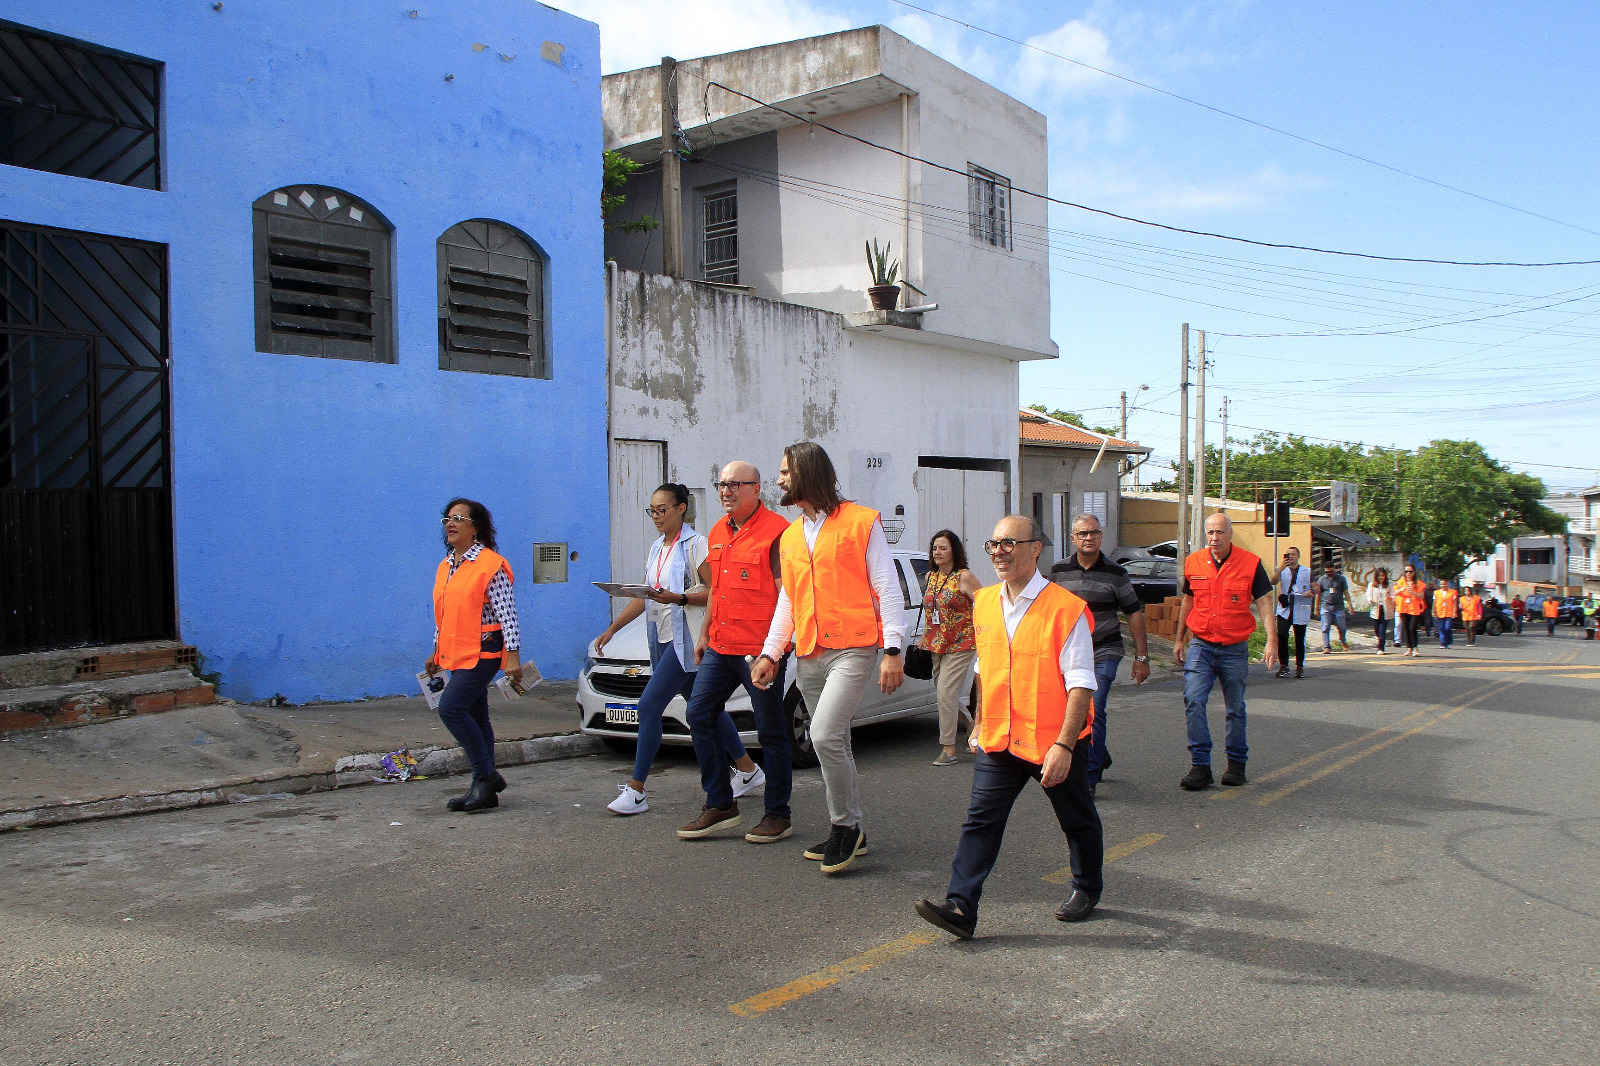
[[722, 376]]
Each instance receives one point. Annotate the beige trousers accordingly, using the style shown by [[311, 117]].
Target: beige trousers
[[952, 677]]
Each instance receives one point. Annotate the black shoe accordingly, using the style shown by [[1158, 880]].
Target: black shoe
[[480, 797], [841, 849], [947, 917], [817, 852], [1197, 778], [1078, 906], [1234, 775], [456, 801], [1283, 671], [1299, 671], [497, 781]]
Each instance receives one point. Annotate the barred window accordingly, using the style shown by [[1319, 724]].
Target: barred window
[[491, 301], [719, 234], [989, 206], [73, 108], [323, 277]]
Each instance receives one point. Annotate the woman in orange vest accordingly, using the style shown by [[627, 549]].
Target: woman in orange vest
[[475, 635], [1409, 599], [1551, 608], [1471, 613]]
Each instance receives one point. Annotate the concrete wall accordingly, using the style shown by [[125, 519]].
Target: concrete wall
[[1151, 518], [722, 376], [1066, 470], [308, 491]]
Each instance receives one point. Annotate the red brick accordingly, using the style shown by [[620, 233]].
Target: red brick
[[11, 720], [153, 701], [199, 694], [81, 710]]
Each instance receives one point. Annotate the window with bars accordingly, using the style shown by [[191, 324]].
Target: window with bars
[[323, 278], [989, 206], [719, 234], [491, 301], [73, 108]]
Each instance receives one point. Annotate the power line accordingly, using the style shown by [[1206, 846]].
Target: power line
[[1140, 221], [1253, 122]]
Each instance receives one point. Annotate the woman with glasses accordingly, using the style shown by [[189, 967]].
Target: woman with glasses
[[1380, 605], [475, 636], [1410, 599], [947, 633], [679, 578]]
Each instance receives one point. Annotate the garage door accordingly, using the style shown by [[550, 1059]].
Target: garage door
[[637, 467], [969, 502]]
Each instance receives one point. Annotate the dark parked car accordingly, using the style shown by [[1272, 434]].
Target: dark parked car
[[1153, 577], [1569, 613], [1497, 619]]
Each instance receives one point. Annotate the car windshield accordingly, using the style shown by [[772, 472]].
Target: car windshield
[[1140, 567]]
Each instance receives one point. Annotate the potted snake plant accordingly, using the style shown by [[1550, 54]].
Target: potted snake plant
[[883, 292]]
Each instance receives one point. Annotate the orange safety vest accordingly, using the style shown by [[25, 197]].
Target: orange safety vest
[[1444, 603], [744, 593], [1024, 694], [1408, 599], [829, 588], [1471, 608], [1551, 608], [1221, 610], [458, 610]]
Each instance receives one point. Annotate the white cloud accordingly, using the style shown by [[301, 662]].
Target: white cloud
[[637, 33], [1153, 193], [1046, 78]]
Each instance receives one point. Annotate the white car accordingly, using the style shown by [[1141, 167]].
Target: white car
[[610, 686]]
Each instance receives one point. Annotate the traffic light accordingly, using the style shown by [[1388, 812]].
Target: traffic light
[[1277, 518]]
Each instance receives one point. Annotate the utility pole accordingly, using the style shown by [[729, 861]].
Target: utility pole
[[1123, 433], [1183, 453], [1200, 447], [1224, 447], [671, 175]]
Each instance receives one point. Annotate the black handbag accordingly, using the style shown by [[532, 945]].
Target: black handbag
[[919, 663]]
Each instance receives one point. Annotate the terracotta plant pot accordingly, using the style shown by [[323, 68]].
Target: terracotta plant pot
[[884, 297]]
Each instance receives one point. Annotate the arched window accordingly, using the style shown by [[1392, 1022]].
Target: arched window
[[324, 286], [491, 301]]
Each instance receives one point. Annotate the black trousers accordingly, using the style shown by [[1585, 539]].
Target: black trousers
[[1283, 644], [1408, 629]]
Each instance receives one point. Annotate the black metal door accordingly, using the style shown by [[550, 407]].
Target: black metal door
[[85, 500]]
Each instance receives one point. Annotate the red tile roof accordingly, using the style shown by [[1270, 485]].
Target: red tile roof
[[1040, 429]]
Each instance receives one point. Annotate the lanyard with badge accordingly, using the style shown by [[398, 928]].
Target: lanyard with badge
[[935, 616], [661, 560]]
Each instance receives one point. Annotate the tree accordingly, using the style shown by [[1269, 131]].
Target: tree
[[1072, 418], [616, 171]]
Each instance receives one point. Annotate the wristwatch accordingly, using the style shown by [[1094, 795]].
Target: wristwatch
[[1141, 658], [891, 651], [685, 596]]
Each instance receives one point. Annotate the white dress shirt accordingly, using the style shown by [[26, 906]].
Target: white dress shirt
[[885, 589], [1077, 654]]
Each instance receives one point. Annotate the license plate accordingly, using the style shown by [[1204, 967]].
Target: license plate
[[622, 714]]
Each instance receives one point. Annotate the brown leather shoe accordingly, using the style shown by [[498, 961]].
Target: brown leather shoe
[[770, 830], [710, 821]]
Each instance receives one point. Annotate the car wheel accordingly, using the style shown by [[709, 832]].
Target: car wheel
[[1494, 627], [802, 755], [621, 744]]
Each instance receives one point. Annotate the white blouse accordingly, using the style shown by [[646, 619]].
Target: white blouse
[[1380, 596]]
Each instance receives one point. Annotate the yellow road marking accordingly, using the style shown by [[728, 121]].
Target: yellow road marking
[[1063, 876], [815, 982], [1274, 796]]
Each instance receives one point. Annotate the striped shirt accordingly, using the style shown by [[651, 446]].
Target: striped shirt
[[1105, 587], [498, 606]]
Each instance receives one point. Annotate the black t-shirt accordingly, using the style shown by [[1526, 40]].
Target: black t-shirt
[[1260, 585], [1105, 588]]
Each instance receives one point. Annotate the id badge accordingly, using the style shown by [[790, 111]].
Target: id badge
[[934, 617]]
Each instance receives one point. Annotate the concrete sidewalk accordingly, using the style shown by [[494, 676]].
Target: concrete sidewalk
[[229, 752]]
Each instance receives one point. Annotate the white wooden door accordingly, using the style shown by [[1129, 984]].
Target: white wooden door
[[969, 502], [637, 467]]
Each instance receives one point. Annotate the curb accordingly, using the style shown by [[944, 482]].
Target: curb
[[349, 772]]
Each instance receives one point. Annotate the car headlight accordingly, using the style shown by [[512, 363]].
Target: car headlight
[[588, 663]]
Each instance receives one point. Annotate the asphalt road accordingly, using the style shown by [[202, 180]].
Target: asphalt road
[[1413, 875]]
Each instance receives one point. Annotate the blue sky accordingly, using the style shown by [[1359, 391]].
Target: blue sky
[[1495, 99]]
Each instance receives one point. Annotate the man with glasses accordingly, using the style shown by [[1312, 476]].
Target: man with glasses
[[1225, 589], [1106, 588], [840, 603], [1295, 596], [1036, 667], [742, 552]]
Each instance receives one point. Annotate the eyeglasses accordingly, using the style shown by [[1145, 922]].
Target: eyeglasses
[[1087, 533], [456, 519], [658, 512], [731, 486], [1006, 545]]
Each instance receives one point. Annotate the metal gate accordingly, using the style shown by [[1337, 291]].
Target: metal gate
[[85, 499]]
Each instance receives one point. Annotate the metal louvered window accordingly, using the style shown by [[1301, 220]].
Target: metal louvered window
[[322, 270], [491, 301], [73, 108], [989, 206], [719, 234]]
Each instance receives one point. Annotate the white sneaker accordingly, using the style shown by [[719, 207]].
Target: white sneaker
[[743, 782], [629, 801]]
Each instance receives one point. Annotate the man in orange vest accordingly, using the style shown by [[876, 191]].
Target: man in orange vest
[[742, 552], [1446, 601], [1222, 585], [1035, 719], [1471, 613], [840, 603], [1552, 611]]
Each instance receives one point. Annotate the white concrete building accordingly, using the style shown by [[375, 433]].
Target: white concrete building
[[771, 339]]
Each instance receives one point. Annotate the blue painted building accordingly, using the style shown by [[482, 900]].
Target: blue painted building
[[314, 269]]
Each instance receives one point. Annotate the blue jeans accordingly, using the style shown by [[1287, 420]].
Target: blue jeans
[[716, 739], [1333, 620], [1105, 672], [997, 780], [667, 679], [464, 710], [1446, 637], [1205, 665]]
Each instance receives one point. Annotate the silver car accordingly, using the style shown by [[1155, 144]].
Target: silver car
[[610, 686]]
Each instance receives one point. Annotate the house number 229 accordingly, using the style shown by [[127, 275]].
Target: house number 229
[[874, 462]]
